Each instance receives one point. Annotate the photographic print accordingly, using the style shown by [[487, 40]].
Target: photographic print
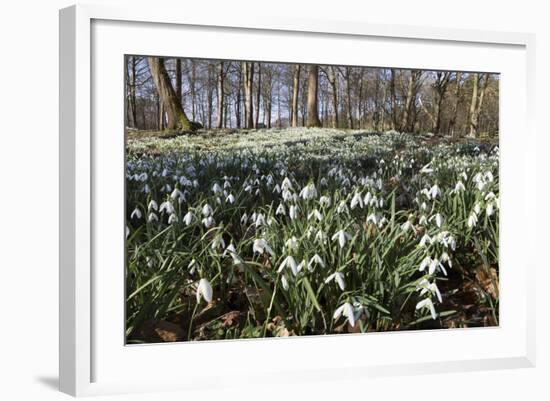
[[281, 199]]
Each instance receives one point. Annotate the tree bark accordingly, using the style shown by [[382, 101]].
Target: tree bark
[[404, 126], [172, 107], [393, 99], [258, 94], [220, 106], [312, 87], [333, 81], [295, 94], [193, 90], [178, 80], [347, 78], [473, 106], [452, 122], [248, 71]]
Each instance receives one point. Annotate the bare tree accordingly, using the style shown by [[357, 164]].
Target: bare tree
[[458, 89], [312, 85], [220, 106], [258, 94], [168, 99], [248, 71], [477, 100], [295, 93]]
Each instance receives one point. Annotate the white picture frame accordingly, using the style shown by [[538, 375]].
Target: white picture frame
[[93, 360]]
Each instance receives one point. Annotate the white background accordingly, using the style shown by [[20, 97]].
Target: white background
[[29, 215]]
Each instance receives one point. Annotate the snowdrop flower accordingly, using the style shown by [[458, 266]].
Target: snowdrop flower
[[284, 282], [438, 220], [434, 264], [315, 213], [339, 278], [218, 242], [260, 220], [192, 266], [207, 210], [323, 182], [324, 201], [188, 218], [316, 259], [445, 258], [286, 184], [277, 189], [176, 194], [459, 187], [320, 237], [367, 198], [372, 218], [146, 189], [301, 265], [230, 198], [427, 303], [230, 250], [172, 219], [406, 226], [489, 209], [425, 286], [342, 237], [204, 290], [477, 208], [425, 239], [290, 263], [208, 221], [280, 210], [152, 206], [226, 184], [292, 244], [472, 220], [244, 218], [216, 188], [308, 192], [347, 311], [435, 191], [342, 207], [423, 220], [152, 217], [425, 262], [356, 200], [136, 214], [293, 212], [260, 246], [166, 207]]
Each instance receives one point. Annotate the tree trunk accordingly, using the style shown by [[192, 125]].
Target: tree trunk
[[172, 107], [193, 91], [238, 100], [393, 100], [452, 122], [333, 81], [348, 98], [248, 70], [258, 93], [473, 106], [295, 93], [178, 80], [312, 86], [220, 106], [410, 88]]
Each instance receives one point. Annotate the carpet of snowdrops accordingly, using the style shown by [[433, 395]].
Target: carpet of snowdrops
[[246, 234]]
